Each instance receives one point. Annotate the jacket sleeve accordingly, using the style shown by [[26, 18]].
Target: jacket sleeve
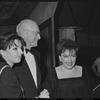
[[9, 86]]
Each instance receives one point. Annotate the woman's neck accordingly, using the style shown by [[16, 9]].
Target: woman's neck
[[67, 69]]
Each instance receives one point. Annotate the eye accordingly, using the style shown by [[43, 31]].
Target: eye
[[73, 55], [15, 48], [65, 56]]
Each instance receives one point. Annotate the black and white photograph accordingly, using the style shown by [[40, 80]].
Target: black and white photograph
[[50, 49]]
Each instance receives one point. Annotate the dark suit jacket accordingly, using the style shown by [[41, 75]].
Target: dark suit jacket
[[9, 85], [24, 75]]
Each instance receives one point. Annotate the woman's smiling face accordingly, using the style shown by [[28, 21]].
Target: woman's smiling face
[[68, 58]]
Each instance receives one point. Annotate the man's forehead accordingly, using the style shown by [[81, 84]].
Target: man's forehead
[[32, 27]]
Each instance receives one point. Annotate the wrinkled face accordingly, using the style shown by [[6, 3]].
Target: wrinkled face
[[29, 30], [32, 38], [68, 58], [14, 53]]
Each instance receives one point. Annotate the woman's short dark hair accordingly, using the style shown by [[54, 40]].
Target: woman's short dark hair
[[7, 40], [66, 44]]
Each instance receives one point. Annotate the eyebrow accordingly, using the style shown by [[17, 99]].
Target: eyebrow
[[15, 44]]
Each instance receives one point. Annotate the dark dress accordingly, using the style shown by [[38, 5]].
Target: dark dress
[[78, 87], [9, 85]]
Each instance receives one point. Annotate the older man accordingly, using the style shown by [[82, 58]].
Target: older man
[[28, 71]]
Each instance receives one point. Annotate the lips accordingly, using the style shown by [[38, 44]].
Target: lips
[[69, 63]]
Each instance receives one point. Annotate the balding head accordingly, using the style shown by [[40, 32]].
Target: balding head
[[29, 30], [26, 24]]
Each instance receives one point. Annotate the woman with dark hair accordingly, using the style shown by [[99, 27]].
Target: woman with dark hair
[[10, 53], [68, 80]]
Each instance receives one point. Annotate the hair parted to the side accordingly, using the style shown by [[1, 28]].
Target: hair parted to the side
[[7, 40], [66, 44]]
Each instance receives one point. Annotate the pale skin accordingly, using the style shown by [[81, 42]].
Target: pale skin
[[31, 38], [13, 55], [68, 68], [68, 58], [30, 32]]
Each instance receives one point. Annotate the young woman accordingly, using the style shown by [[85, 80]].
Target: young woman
[[10, 53], [68, 80]]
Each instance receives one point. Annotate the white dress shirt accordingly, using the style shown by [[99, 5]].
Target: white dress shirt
[[32, 65]]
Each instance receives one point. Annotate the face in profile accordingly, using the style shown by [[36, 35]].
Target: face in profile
[[68, 58], [14, 53], [32, 38]]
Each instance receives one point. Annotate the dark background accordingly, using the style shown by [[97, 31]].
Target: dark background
[[82, 14]]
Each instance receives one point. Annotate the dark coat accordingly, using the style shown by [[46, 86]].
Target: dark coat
[[9, 85], [25, 77]]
